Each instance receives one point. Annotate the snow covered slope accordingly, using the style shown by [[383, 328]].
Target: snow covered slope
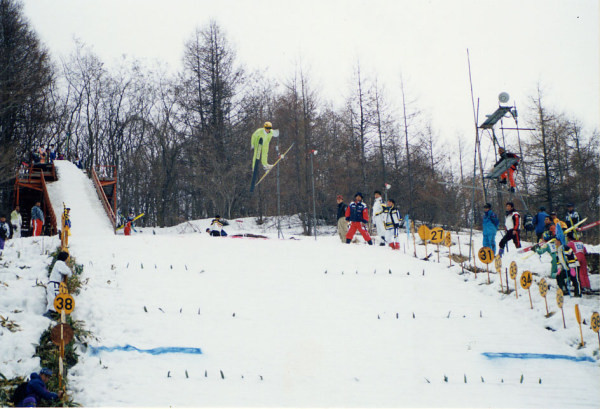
[[77, 191], [193, 320]]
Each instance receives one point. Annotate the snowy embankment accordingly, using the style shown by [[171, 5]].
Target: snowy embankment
[[185, 319]]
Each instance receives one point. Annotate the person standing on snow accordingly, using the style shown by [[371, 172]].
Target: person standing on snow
[[539, 220], [60, 272], [129, 225], [357, 214], [490, 227], [512, 223], [260, 144], [342, 224], [572, 218], [16, 221], [37, 219], [5, 231], [378, 217], [391, 217], [580, 251]]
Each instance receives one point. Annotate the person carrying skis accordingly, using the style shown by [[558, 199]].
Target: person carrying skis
[[16, 222], [36, 390], [490, 227], [510, 172], [357, 214], [580, 251], [260, 144], [129, 224], [391, 221], [511, 224], [37, 219], [549, 247], [378, 217], [342, 224], [572, 218], [557, 221], [539, 221]]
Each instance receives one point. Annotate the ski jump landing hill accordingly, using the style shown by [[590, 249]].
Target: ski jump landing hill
[[193, 320]]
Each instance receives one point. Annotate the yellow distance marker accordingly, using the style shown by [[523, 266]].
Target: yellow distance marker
[[578, 317], [560, 301], [436, 235], [448, 239], [543, 286], [62, 288], [526, 284], [498, 265], [424, 233], [486, 255], [64, 302], [513, 275], [596, 324]]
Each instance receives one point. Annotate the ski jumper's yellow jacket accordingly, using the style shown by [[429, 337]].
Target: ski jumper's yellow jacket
[[260, 144]]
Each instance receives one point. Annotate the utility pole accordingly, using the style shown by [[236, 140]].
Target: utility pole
[[312, 153]]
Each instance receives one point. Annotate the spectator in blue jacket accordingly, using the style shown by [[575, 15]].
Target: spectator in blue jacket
[[36, 389], [490, 227], [539, 222]]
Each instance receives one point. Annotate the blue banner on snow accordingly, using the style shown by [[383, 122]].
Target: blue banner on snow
[[152, 351], [496, 355]]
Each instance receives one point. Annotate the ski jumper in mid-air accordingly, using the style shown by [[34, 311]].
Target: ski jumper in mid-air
[[260, 144]]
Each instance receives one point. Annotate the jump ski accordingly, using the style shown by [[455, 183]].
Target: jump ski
[[526, 249], [134, 219], [268, 171], [589, 226], [501, 168]]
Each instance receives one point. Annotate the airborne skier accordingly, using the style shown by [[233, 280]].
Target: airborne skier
[[260, 144]]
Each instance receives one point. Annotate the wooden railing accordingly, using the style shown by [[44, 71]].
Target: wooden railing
[[103, 198], [49, 210]]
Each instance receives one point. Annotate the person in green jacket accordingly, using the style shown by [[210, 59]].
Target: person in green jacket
[[260, 143]]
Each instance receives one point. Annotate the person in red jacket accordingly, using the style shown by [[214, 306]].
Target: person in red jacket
[[357, 214], [580, 252], [512, 223]]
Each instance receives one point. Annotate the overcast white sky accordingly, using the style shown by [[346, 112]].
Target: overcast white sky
[[513, 44]]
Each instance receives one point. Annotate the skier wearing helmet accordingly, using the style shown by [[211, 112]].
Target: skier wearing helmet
[[260, 144]]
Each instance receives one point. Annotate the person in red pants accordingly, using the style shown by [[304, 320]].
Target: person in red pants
[[37, 219], [510, 172], [357, 214], [580, 251]]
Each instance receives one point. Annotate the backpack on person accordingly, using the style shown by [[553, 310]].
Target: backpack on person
[[529, 224], [19, 394]]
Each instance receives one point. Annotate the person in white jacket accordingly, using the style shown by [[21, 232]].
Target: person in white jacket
[[60, 272], [16, 220], [378, 217], [392, 224]]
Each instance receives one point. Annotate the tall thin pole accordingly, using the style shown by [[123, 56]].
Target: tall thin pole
[[474, 154], [279, 233], [312, 174]]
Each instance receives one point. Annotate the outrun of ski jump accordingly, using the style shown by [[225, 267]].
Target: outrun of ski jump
[[369, 305]]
